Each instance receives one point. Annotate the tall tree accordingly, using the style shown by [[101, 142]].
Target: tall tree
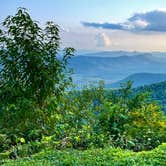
[[29, 61]]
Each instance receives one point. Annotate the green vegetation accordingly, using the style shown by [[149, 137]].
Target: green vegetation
[[38, 112], [31, 76], [108, 156], [157, 92]]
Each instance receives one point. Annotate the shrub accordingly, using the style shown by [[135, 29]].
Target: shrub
[[132, 121]]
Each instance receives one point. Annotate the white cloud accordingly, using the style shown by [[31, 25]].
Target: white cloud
[[136, 25], [103, 40], [147, 21]]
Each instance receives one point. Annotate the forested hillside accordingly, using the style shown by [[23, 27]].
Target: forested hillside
[[157, 92], [140, 79]]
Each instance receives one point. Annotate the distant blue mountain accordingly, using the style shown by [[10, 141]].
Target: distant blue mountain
[[107, 53], [114, 66]]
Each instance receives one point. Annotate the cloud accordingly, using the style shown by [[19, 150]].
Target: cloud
[[149, 21], [103, 40], [103, 25]]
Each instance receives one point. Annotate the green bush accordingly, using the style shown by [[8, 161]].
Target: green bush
[[132, 121]]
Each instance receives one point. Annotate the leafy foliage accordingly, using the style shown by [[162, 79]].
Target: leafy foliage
[[31, 73], [108, 156], [157, 92], [30, 67]]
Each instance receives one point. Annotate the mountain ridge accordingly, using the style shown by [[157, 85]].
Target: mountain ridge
[[113, 69], [140, 79]]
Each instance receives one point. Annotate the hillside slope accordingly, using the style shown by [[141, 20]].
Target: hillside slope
[[140, 79], [157, 91]]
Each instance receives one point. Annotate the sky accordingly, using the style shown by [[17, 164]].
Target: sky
[[132, 25]]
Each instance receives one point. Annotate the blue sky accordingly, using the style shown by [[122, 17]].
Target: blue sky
[[70, 14], [68, 11]]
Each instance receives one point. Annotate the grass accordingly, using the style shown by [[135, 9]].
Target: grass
[[97, 157]]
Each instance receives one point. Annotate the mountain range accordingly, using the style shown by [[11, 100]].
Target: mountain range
[[117, 65]]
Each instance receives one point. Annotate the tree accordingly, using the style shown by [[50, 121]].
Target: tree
[[31, 73], [30, 67]]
